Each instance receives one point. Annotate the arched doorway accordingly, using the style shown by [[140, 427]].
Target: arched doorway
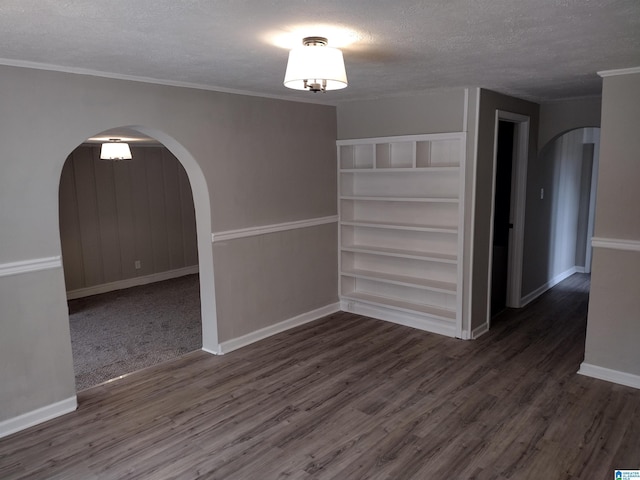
[[176, 175], [570, 164]]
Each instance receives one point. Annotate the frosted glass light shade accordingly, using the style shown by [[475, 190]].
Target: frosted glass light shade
[[115, 151], [316, 64]]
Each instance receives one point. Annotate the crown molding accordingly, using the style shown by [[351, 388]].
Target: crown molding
[[619, 71], [155, 81]]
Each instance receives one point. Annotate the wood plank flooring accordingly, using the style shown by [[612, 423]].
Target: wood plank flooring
[[349, 397]]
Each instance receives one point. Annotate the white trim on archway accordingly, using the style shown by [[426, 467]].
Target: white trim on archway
[[202, 204]]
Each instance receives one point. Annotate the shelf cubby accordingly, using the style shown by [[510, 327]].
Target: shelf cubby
[[441, 214], [438, 153], [395, 155], [356, 156], [423, 272], [402, 253], [400, 184], [410, 240]]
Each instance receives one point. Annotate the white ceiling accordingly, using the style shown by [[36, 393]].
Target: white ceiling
[[541, 50]]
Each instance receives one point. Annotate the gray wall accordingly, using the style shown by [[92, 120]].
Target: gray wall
[[36, 364], [489, 103], [114, 213], [296, 267], [250, 161], [439, 111], [613, 323], [559, 117]]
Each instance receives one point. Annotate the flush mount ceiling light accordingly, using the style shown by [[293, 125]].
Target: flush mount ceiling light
[[315, 67], [115, 150]]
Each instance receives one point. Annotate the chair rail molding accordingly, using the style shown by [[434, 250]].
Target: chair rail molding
[[31, 265], [265, 229], [616, 244]]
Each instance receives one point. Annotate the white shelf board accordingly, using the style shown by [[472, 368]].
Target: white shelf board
[[401, 199], [400, 226], [404, 280], [396, 252], [428, 137], [435, 312]]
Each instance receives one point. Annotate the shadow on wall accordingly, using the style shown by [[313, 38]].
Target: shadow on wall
[[560, 208]]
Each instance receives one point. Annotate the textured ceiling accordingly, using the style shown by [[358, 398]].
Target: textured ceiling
[[540, 50]]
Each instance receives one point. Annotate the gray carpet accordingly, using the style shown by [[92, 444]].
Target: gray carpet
[[123, 331]]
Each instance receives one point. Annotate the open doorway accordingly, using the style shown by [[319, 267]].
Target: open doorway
[[511, 146], [124, 226], [587, 208], [502, 224], [561, 211], [567, 196]]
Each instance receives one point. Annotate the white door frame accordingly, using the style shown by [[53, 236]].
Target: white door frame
[[518, 195]]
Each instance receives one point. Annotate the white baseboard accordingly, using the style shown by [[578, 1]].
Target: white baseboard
[[615, 376], [550, 284], [407, 319], [235, 343], [29, 419], [212, 352], [131, 282]]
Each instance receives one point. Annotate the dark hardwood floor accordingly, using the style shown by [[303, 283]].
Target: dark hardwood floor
[[349, 397]]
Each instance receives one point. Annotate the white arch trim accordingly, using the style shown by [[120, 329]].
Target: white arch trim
[[202, 204]]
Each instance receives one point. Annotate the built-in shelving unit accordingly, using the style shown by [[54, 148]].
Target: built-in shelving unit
[[401, 229]]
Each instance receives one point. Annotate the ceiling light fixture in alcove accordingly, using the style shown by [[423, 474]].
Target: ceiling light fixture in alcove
[[115, 149], [315, 67]]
